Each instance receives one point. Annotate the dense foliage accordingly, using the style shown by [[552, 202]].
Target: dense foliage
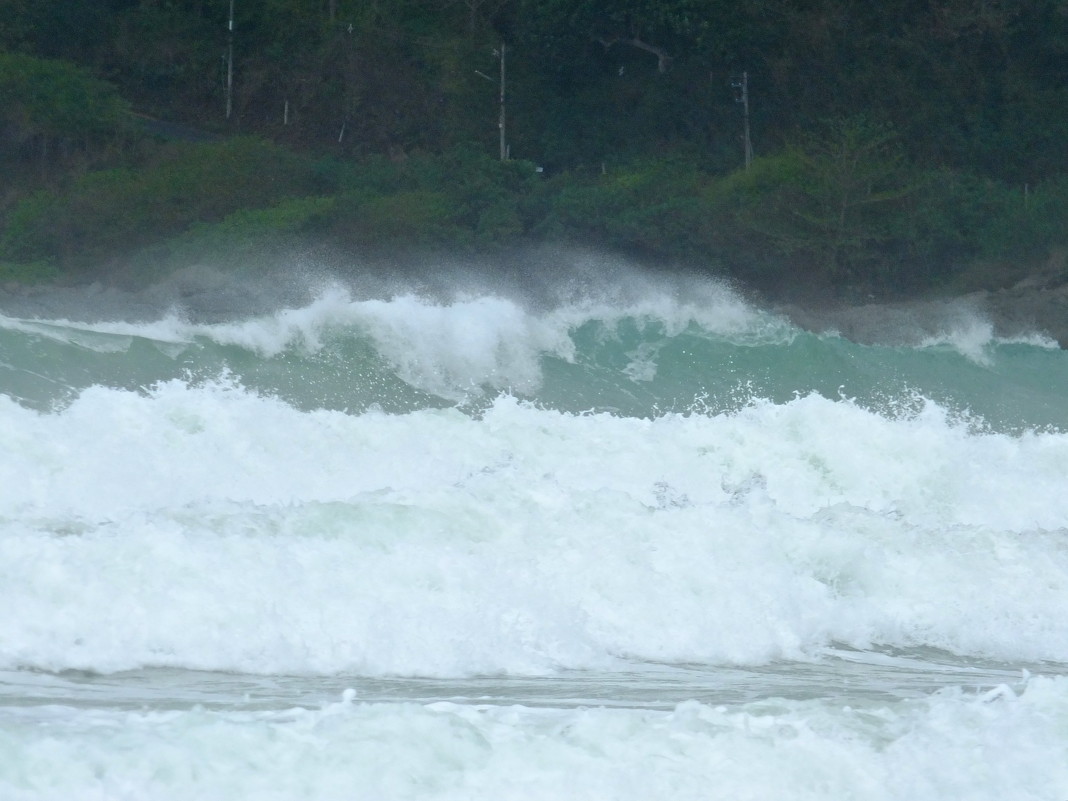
[[895, 142]]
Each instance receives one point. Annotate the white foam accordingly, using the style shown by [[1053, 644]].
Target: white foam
[[954, 745], [451, 348], [974, 338], [170, 328], [207, 527]]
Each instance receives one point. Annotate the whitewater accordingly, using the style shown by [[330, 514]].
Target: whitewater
[[638, 537]]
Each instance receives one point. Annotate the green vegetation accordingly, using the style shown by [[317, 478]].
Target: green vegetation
[[897, 144], [101, 214]]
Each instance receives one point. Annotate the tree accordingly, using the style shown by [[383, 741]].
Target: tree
[[834, 204], [55, 111], [645, 25], [852, 174]]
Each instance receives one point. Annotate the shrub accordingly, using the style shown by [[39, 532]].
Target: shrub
[[35, 272], [419, 219], [460, 199], [833, 208], [49, 109], [245, 233], [107, 213], [650, 207]]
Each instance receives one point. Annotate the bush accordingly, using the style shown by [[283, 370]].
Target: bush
[[460, 199], [36, 272], [419, 219], [651, 207], [49, 109], [107, 213], [241, 236], [959, 217], [750, 219]]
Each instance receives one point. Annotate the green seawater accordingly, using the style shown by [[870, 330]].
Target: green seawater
[[628, 366]]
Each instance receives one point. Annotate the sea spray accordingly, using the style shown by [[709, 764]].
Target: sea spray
[[633, 544], [647, 356]]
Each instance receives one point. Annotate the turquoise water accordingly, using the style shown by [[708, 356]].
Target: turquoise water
[[348, 355], [650, 545]]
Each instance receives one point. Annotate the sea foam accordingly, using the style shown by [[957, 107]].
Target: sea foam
[[954, 744], [209, 527]]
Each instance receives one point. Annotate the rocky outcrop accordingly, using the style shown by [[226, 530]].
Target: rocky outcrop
[[1035, 303], [1032, 305]]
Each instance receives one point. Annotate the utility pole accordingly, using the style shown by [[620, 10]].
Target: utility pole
[[501, 116], [230, 63], [741, 88], [500, 123]]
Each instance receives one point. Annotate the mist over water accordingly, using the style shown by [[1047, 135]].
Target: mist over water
[[578, 334], [579, 531]]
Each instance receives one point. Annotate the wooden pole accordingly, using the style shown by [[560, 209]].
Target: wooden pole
[[230, 64], [745, 111], [501, 123]]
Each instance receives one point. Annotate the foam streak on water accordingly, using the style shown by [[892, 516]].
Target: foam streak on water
[[662, 547], [952, 745]]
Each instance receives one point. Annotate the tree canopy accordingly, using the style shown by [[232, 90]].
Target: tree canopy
[[865, 117]]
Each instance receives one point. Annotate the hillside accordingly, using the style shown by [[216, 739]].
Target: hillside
[[838, 147]]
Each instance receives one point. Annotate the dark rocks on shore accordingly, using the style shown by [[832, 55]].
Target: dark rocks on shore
[[1021, 301], [1017, 312], [1031, 308]]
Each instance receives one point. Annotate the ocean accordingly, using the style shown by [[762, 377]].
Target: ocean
[[636, 537]]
